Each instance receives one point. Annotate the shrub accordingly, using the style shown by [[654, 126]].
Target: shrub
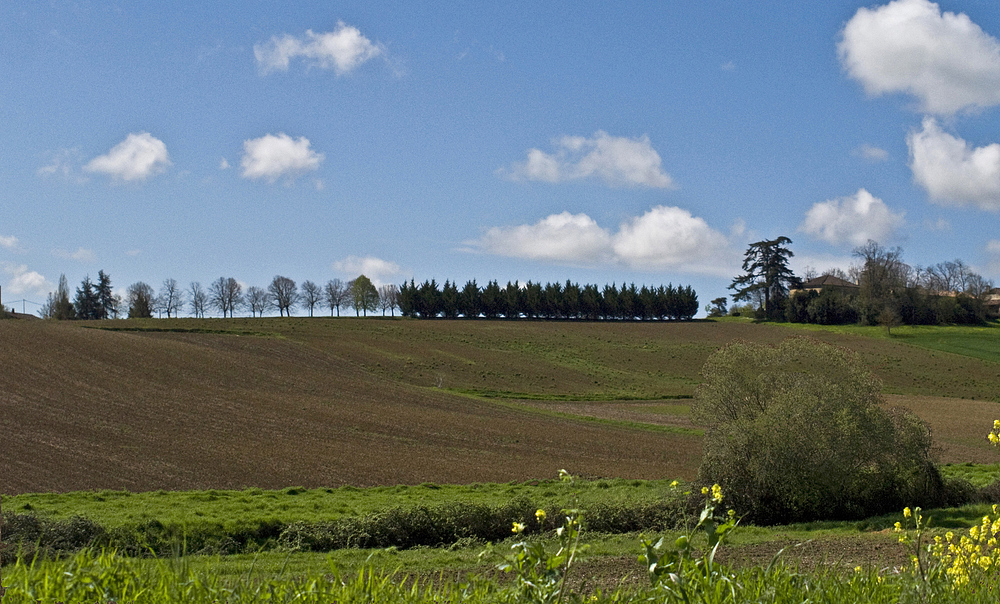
[[799, 432]]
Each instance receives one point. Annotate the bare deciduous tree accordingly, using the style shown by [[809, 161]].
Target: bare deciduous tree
[[258, 300], [199, 300], [226, 294], [388, 298], [335, 295], [284, 294], [312, 295], [171, 297]]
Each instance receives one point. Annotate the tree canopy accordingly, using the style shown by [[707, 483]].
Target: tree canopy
[[766, 276]]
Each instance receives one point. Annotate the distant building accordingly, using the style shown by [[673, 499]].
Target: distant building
[[825, 282]]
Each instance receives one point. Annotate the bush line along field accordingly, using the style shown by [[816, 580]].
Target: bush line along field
[[200, 404]]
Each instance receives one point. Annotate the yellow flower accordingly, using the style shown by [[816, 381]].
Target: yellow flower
[[907, 513], [704, 490], [717, 493], [540, 515], [857, 569], [899, 527], [674, 484], [518, 528]]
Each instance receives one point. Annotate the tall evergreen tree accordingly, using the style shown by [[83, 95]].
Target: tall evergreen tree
[[105, 296], [87, 303], [766, 275]]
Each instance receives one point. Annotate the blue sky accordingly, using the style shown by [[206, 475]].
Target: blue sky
[[536, 140]]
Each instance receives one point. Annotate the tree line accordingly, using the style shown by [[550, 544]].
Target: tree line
[[95, 301], [550, 301], [882, 290], [226, 296]]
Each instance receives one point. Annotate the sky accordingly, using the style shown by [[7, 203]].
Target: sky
[[539, 141]]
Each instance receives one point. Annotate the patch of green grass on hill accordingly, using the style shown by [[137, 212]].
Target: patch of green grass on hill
[[979, 475], [116, 508], [976, 341]]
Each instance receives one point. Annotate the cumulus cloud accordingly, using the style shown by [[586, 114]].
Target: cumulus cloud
[[943, 59], [664, 237], [953, 171], [137, 157], [852, 220], [667, 237], [993, 246], [10, 242], [378, 270], [342, 49], [80, 255], [617, 160], [272, 157], [871, 153], [565, 237], [25, 282]]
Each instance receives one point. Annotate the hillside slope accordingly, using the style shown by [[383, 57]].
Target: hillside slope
[[93, 409]]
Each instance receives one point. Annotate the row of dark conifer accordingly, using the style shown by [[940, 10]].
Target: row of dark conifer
[[549, 301]]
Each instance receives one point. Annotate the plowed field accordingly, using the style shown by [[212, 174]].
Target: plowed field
[[197, 404]]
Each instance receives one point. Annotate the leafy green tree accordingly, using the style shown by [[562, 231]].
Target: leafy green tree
[[717, 307], [364, 296], [800, 432], [766, 276], [140, 301]]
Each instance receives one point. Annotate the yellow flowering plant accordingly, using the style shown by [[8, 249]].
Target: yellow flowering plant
[[963, 560], [678, 570], [541, 575]]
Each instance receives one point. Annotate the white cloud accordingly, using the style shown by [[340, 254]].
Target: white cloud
[[852, 220], [953, 171], [25, 282], [343, 49], [664, 237], [378, 270], [943, 59], [669, 237], [10, 242], [565, 237], [272, 157], [871, 153], [137, 157], [617, 160], [80, 255], [223, 164], [993, 246]]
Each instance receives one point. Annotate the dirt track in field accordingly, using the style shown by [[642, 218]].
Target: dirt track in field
[[92, 409]]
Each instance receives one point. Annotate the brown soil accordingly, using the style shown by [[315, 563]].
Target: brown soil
[[92, 409]]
